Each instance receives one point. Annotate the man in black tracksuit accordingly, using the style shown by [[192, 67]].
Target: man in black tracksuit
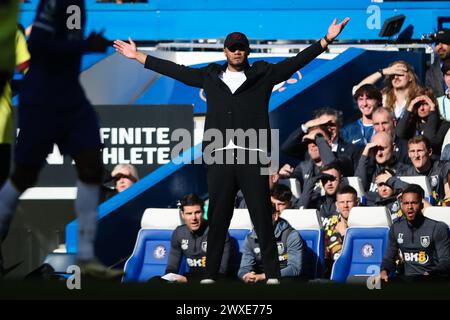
[[238, 98], [423, 244]]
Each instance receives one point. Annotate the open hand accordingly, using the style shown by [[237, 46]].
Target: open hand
[[126, 49], [336, 28]]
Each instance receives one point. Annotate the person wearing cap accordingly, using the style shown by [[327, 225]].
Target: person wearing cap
[[444, 100], [238, 99], [433, 76]]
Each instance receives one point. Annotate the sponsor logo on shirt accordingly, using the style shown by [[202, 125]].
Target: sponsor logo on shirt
[[195, 263], [421, 257]]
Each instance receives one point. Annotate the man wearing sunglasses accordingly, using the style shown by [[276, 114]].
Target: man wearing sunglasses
[[238, 99]]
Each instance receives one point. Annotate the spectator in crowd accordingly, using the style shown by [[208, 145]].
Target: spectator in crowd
[[330, 178], [190, 240], [377, 158], [433, 77], [323, 131], [7, 134], [336, 227], [360, 132], [422, 118], [384, 121], [387, 196], [400, 86], [310, 166], [423, 164], [444, 100], [124, 176], [422, 243], [291, 248]]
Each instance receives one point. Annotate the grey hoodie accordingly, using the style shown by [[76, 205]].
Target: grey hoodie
[[291, 251]]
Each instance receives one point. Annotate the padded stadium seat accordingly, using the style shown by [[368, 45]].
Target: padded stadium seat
[[423, 182], [152, 246], [294, 185], [356, 183], [308, 224], [439, 214], [364, 243], [240, 226]]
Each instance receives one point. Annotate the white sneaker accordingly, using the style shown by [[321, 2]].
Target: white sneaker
[[273, 281], [207, 281]]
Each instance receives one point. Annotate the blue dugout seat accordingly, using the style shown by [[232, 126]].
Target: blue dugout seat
[[424, 183], [149, 257], [307, 223], [364, 243], [439, 214]]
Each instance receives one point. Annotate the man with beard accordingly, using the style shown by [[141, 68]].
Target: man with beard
[[422, 243], [433, 76], [238, 100]]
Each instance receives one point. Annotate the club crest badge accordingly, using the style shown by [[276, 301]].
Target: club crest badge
[[400, 238], [425, 241], [367, 250], [280, 247], [159, 252]]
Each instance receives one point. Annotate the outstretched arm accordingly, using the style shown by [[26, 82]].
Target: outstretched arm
[[190, 76], [284, 69]]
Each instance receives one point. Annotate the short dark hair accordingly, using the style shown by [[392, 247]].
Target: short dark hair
[[346, 189], [414, 188], [281, 193], [445, 66], [331, 112], [333, 165], [419, 139], [191, 200], [370, 91]]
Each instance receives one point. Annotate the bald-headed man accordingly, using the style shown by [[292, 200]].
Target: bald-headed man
[[384, 121]]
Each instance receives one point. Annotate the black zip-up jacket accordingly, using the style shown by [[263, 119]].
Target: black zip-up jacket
[[434, 128], [193, 246], [247, 107], [424, 247], [347, 155]]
